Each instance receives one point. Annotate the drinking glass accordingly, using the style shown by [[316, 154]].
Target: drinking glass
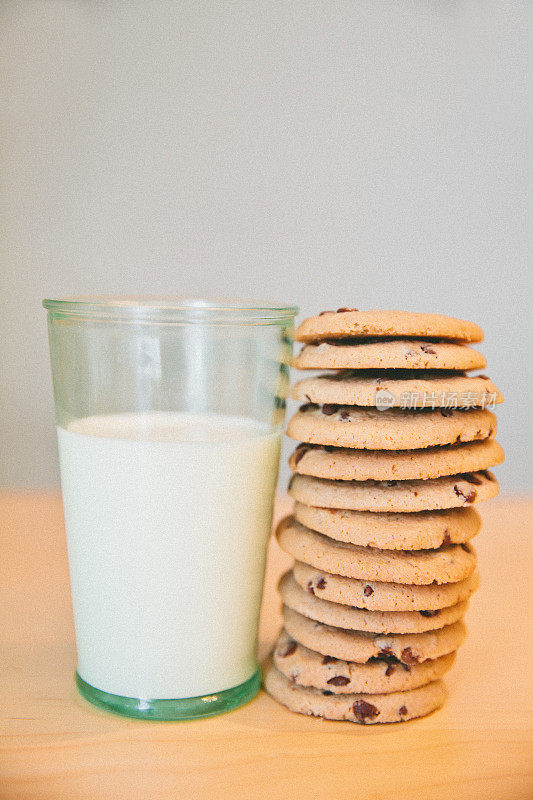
[[169, 421]]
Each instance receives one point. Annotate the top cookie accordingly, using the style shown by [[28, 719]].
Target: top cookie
[[351, 322]]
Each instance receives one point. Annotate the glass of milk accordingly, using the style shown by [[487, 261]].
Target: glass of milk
[[169, 422]]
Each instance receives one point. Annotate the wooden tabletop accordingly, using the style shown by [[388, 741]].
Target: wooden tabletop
[[55, 746]]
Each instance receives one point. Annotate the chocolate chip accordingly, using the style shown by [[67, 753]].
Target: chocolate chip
[[390, 659], [344, 310], [446, 412], [386, 651], [469, 478], [402, 711], [326, 692], [289, 650], [469, 498], [321, 583], [389, 670], [308, 407], [339, 680], [344, 415], [387, 658], [329, 408], [329, 660], [300, 452], [427, 349], [310, 587], [408, 657], [368, 590], [364, 711], [447, 539], [429, 613]]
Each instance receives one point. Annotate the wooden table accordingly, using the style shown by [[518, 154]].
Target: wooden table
[[55, 746]]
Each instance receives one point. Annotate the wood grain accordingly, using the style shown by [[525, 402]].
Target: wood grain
[[55, 746]]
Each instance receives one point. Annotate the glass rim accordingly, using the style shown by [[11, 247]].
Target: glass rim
[[171, 309]]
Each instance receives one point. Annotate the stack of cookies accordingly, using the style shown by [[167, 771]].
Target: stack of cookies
[[395, 448]]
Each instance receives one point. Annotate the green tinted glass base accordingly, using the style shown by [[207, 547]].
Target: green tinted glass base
[[167, 710]]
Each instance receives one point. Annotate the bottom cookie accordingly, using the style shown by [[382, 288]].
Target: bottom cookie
[[362, 708]]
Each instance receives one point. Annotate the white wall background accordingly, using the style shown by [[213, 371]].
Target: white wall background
[[366, 153]]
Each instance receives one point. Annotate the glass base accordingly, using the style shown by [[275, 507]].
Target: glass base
[[167, 710]]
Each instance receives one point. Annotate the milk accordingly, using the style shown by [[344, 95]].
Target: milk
[[167, 519]]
